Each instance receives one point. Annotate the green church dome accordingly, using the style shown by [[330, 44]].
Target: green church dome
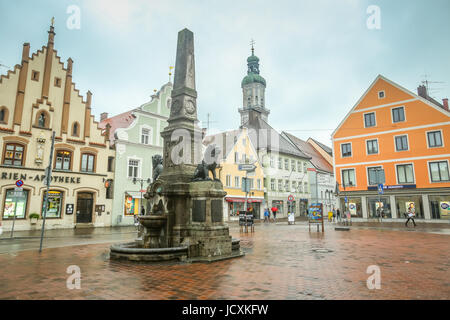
[[252, 78], [253, 58]]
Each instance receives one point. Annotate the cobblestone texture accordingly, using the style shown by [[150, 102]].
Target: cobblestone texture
[[281, 262]]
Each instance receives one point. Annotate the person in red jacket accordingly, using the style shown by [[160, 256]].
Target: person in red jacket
[[274, 213]]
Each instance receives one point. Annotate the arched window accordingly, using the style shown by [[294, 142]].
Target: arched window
[[42, 120], [75, 129]]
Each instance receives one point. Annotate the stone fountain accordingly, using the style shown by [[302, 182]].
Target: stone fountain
[[184, 218]]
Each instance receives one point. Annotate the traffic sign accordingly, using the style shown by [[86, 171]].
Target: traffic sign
[[346, 200], [247, 167], [380, 189], [291, 198], [19, 183]]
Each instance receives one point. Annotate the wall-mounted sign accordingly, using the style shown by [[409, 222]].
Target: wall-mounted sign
[[38, 177], [99, 208], [385, 187], [69, 208]]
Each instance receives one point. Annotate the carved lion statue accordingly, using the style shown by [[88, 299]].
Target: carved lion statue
[[157, 161], [209, 163]]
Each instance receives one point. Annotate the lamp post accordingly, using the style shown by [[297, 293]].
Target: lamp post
[[141, 181]]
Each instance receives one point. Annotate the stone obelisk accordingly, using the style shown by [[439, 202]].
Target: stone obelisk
[[182, 137]]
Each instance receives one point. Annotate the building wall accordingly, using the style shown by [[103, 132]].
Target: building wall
[[25, 99], [272, 171], [152, 115], [229, 167], [421, 116]]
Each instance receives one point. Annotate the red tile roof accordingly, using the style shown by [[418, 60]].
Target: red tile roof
[[122, 120]]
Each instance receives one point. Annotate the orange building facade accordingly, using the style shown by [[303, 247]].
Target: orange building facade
[[408, 137]]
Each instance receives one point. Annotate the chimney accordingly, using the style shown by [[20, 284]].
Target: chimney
[[445, 103], [103, 116], [422, 91]]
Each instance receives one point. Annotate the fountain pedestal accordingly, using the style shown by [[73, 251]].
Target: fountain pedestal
[[153, 225]]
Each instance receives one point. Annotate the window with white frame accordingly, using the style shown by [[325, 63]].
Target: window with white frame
[[280, 185], [294, 186], [372, 175], [398, 114], [348, 177], [369, 119], [372, 146], [299, 166], [346, 150], [272, 162], [405, 173], [381, 94], [236, 182], [286, 185], [258, 182], [272, 184], [434, 139], [286, 164], [293, 165], [228, 182], [439, 171], [401, 143], [280, 163], [133, 168], [145, 136], [304, 167]]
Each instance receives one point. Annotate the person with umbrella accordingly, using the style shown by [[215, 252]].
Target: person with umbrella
[[274, 212]]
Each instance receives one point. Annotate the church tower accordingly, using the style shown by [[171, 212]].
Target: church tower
[[253, 91]]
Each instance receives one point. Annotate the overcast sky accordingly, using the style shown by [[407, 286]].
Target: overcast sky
[[318, 56]]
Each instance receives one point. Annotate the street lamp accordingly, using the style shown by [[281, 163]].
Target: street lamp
[[141, 181]]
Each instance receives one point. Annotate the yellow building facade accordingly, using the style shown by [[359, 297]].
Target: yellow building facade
[[237, 149]]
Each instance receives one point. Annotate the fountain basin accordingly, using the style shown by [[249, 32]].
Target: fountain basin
[[130, 251], [153, 221]]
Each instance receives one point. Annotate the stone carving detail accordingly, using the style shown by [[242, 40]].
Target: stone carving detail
[[190, 107], [176, 106], [157, 161]]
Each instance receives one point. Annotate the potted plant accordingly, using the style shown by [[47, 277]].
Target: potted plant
[[34, 218]]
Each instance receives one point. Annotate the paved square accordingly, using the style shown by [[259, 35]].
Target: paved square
[[280, 263]]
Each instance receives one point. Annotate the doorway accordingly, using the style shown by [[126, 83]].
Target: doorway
[[85, 203]]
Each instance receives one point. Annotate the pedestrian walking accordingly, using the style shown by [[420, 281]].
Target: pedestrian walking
[[338, 215], [411, 214], [334, 215], [266, 215], [274, 213], [142, 211]]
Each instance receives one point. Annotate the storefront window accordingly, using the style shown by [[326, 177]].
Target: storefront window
[[405, 202], [278, 204], [15, 204], [353, 205], [375, 208], [54, 204], [131, 206], [440, 207]]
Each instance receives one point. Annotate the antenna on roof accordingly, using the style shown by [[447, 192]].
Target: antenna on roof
[[428, 85]]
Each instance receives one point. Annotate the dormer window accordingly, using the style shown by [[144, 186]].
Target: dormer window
[[381, 94]]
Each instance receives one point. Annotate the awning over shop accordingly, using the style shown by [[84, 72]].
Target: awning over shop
[[249, 200]]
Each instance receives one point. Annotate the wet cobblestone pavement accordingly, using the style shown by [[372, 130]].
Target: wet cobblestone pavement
[[281, 262]]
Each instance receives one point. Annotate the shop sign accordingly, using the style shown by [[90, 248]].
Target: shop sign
[[352, 208], [69, 208], [444, 209], [38, 177], [385, 187]]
